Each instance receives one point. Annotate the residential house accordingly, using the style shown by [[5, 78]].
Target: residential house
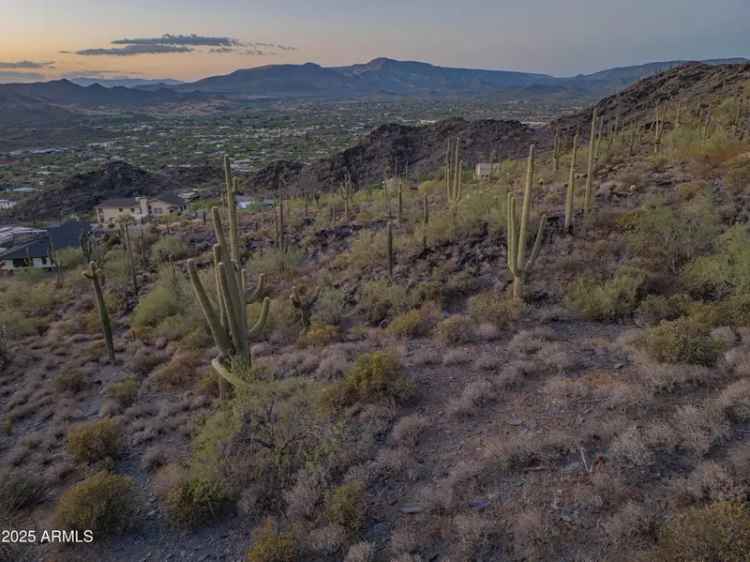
[[140, 209], [22, 248], [487, 170]]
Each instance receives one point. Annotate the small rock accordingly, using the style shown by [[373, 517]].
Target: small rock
[[479, 504], [161, 342], [411, 509]]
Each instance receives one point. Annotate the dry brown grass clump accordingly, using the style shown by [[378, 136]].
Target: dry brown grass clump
[[718, 532], [455, 329], [272, 545], [104, 503], [94, 441]]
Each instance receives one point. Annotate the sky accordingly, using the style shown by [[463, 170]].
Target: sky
[[191, 39]]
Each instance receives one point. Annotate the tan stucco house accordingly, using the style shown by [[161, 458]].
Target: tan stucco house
[[139, 209]]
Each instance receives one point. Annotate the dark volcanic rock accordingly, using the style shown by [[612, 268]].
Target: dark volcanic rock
[[80, 193], [421, 149]]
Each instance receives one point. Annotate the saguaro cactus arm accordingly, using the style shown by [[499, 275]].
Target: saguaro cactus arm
[[94, 275], [218, 331]]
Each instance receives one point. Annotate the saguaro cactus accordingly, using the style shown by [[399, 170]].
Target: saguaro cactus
[[94, 275], [556, 151], [129, 255], [518, 265], [88, 245], [303, 300], [425, 219], [347, 195], [389, 250], [590, 168], [570, 192]]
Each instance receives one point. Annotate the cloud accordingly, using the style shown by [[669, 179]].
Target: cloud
[[10, 76], [133, 50], [191, 40], [169, 43], [26, 64]]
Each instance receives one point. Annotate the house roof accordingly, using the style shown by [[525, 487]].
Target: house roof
[[66, 235], [170, 198], [117, 203]]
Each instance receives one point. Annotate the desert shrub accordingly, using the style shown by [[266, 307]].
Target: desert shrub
[[169, 247], [197, 501], [655, 308], [272, 545], [283, 321], [737, 179], [609, 300], [494, 309], [181, 371], [19, 491], [380, 300], [681, 341], [455, 329], [69, 258], [70, 381], [104, 503], [346, 506], [374, 377], [416, 322], [667, 238], [319, 335], [124, 392], [718, 532], [275, 263], [331, 307], [726, 270], [94, 441]]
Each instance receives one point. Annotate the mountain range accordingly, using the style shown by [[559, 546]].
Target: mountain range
[[49, 103]]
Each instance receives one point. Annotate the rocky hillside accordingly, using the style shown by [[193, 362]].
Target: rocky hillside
[[692, 85], [80, 193], [421, 149]]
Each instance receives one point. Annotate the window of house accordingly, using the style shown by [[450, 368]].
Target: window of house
[[44, 261]]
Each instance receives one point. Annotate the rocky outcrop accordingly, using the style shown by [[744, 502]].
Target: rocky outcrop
[[420, 149]]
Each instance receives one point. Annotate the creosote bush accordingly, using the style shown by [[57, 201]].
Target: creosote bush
[[197, 501], [718, 532], [346, 506], [318, 335], [124, 392], [492, 308], [272, 545], [455, 329], [94, 441], [374, 377], [104, 503], [681, 341], [415, 323], [610, 300]]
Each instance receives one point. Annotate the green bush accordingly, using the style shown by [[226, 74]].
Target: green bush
[[681, 341], [455, 329], [725, 271], [70, 381], [380, 300], [94, 441], [271, 545], [318, 335], [104, 503], [347, 507], [168, 247], [124, 392], [417, 322], [655, 308], [719, 532], [19, 491], [609, 300], [374, 377], [492, 308], [667, 238], [197, 501], [331, 307]]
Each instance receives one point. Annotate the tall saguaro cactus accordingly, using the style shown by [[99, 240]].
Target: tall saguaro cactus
[[94, 275], [389, 250], [347, 195], [227, 317], [518, 264], [570, 192], [590, 168]]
